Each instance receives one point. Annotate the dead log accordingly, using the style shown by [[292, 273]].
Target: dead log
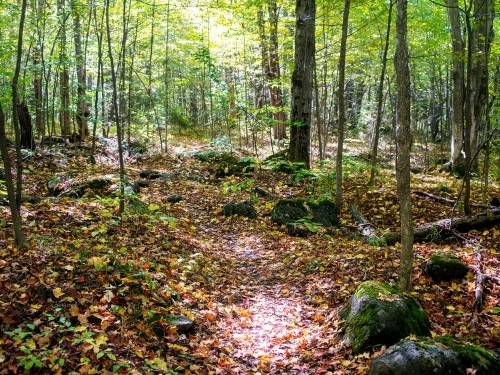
[[24, 199], [366, 228], [447, 201], [440, 230]]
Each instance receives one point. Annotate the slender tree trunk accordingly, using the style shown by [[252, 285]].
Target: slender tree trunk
[[167, 80], [380, 98], [403, 139], [274, 75], [99, 35], [38, 73], [458, 79], [15, 201], [65, 115], [19, 237], [484, 14], [469, 111], [115, 107], [81, 72], [342, 106], [300, 135]]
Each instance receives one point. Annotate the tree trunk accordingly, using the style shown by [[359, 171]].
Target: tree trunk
[[19, 237], [403, 140], [458, 79], [341, 101], [38, 75], [273, 74], [302, 83], [82, 106], [64, 116], [115, 107], [25, 126], [484, 12], [380, 98]]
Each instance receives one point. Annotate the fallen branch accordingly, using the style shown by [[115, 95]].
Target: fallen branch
[[441, 229], [478, 291], [447, 201]]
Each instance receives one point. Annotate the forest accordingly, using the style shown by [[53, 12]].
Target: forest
[[249, 187]]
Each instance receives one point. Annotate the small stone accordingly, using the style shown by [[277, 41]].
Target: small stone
[[182, 323], [175, 198]]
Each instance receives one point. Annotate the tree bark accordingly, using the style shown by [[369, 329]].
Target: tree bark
[[458, 79], [273, 74], [64, 116], [116, 111], [403, 139], [81, 71], [341, 101], [301, 104], [19, 237], [380, 98]]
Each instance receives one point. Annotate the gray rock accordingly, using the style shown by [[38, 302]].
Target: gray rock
[[442, 356], [414, 358], [182, 323], [379, 314]]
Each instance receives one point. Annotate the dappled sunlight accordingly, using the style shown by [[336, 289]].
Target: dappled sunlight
[[270, 325]]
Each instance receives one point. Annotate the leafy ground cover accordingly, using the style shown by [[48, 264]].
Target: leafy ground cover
[[91, 293]]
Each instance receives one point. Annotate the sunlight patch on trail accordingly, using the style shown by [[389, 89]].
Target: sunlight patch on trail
[[270, 325]]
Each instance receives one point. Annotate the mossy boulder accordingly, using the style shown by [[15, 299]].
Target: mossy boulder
[[287, 210], [434, 356], [379, 314], [239, 208], [108, 185], [445, 267], [325, 213], [225, 164]]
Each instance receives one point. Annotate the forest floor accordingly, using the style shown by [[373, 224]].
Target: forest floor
[[85, 297]]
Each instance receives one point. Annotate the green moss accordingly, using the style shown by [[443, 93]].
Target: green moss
[[374, 289], [380, 314], [484, 361], [445, 267]]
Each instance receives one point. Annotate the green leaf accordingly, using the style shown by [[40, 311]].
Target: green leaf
[[111, 356], [36, 361]]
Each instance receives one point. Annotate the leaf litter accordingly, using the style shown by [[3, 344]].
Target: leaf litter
[[92, 292]]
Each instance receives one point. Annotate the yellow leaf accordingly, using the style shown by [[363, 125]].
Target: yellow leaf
[[105, 213], [450, 307], [177, 347], [57, 292], [153, 207], [80, 329]]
